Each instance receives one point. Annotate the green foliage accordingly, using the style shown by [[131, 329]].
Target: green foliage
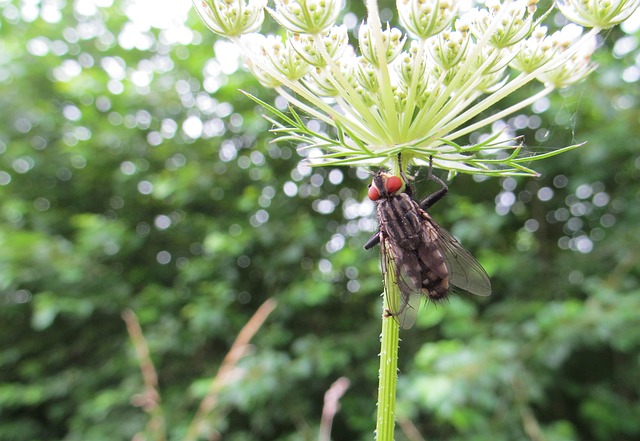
[[108, 202]]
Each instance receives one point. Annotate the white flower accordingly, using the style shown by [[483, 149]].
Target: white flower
[[231, 18], [535, 51], [285, 59], [575, 68], [411, 67], [322, 81], [392, 42], [448, 48], [507, 24], [333, 40], [424, 18], [423, 101], [601, 14], [306, 16]]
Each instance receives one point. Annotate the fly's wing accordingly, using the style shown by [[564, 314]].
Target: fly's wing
[[401, 267], [465, 271]]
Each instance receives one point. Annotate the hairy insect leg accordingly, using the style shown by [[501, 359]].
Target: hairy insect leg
[[435, 197], [373, 240]]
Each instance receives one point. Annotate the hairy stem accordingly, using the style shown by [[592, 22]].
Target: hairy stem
[[388, 375]]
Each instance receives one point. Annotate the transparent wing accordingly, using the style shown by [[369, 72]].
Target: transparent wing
[[465, 271], [401, 267]]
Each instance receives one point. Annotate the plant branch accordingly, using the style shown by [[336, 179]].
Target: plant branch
[[331, 406], [237, 351], [150, 399], [410, 430]]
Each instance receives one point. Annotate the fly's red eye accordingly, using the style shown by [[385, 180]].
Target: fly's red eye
[[393, 184], [374, 194]]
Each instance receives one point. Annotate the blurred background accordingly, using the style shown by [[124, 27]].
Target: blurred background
[[134, 175]]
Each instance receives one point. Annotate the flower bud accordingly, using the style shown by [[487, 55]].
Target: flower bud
[[399, 99], [322, 81], [318, 80], [255, 58]]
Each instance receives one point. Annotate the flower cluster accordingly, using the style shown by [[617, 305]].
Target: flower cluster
[[232, 18], [413, 92]]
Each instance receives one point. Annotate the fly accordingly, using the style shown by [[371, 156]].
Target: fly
[[417, 254]]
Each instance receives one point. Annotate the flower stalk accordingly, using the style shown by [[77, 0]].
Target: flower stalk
[[389, 348], [388, 374]]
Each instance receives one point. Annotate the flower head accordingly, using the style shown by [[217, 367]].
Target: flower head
[[231, 18], [448, 48], [535, 51], [601, 14], [425, 18], [411, 66], [284, 58], [505, 24], [423, 99], [334, 41], [391, 41], [574, 69], [306, 16]]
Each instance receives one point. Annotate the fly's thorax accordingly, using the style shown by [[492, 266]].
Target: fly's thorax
[[402, 220]]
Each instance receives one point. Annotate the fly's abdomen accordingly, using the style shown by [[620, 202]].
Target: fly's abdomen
[[433, 271], [427, 270]]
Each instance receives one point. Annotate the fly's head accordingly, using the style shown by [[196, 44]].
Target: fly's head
[[384, 185]]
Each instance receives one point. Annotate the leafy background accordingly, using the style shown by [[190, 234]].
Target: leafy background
[[134, 175]]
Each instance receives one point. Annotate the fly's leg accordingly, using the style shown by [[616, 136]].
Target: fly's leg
[[373, 240], [435, 197], [407, 187]]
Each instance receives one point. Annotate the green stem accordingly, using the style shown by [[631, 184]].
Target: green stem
[[388, 375]]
